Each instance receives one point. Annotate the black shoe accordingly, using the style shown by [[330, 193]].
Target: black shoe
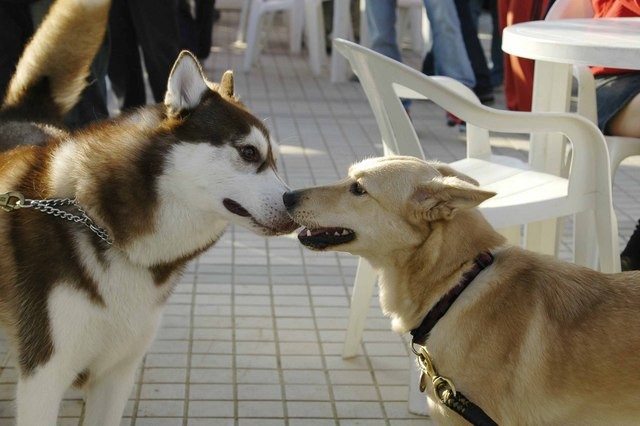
[[486, 98], [630, 256]]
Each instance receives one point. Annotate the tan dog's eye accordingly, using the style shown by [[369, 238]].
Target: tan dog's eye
[[357, 189], [249, 153]]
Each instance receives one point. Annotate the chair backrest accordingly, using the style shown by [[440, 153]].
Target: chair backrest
[[382, 79]]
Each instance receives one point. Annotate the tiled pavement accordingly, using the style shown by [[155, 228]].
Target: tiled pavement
[[253, 333]]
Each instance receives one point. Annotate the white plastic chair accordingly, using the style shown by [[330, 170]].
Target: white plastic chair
[[304, 16], [252, 17], [315, 37], [620, 147], [523, 196]]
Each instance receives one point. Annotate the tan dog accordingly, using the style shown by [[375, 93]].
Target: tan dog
[[532, 340]]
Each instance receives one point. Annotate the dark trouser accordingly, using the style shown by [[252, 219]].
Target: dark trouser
[[153, 26], [474, 48], [196, 31], [16, 28]]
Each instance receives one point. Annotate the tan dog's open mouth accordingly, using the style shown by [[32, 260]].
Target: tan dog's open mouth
[[322, 238]]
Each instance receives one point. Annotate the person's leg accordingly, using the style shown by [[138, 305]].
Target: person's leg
[[450, 55], [497, 59], [204, 27], [618, 101], [630, 256], [625, 122], [158, 33], [16, 27], [475, 7], [124, 69], [381, 20], [92, 105], [483, 87], [518, 72]]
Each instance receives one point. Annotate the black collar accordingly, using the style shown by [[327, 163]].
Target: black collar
[[421, 333]]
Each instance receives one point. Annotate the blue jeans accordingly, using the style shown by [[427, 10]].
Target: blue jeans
[[448, 46], [381, 20], [450, 53]]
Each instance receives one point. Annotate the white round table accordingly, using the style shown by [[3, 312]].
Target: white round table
[[610, 42], [557, 45]]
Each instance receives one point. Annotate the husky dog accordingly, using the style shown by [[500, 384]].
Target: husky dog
[[99, 223], [527, 338]]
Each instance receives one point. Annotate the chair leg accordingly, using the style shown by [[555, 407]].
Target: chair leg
[[253, 31], [296, 20], [544, 236], [314, 28], [360, 303], [584, 231], [606, 225], [512, 234], [242, 25]]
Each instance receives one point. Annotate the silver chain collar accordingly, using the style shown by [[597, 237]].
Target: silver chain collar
[[11, 201]]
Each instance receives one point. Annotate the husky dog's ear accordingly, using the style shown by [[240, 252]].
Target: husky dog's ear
[[226, 84], [443, 197], [186, 84]]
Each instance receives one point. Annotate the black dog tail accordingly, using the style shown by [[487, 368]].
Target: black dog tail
[[54, 66]]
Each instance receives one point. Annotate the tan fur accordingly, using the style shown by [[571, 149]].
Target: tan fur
[[62, 35], [532, 341]]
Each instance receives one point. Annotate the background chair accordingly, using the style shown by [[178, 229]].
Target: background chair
[[305, 17], [252, 17], [523, 195], [620, 147]]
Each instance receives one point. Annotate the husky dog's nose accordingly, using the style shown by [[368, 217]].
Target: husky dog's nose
[[290, 199]]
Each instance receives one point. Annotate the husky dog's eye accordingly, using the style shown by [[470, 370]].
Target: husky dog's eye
[[249, 153], [357, 189]]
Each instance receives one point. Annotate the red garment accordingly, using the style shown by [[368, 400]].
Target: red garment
[[614, 9], [518, 72]]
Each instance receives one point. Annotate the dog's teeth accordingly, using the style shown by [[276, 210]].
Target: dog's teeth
[[308, 232], [345, 232], [336, 234]]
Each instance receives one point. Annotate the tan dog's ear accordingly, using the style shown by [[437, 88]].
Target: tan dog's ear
[[446, 170], [441, 198]]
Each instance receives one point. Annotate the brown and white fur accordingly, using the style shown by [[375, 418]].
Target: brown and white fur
[[532, 340], [164, 181]]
